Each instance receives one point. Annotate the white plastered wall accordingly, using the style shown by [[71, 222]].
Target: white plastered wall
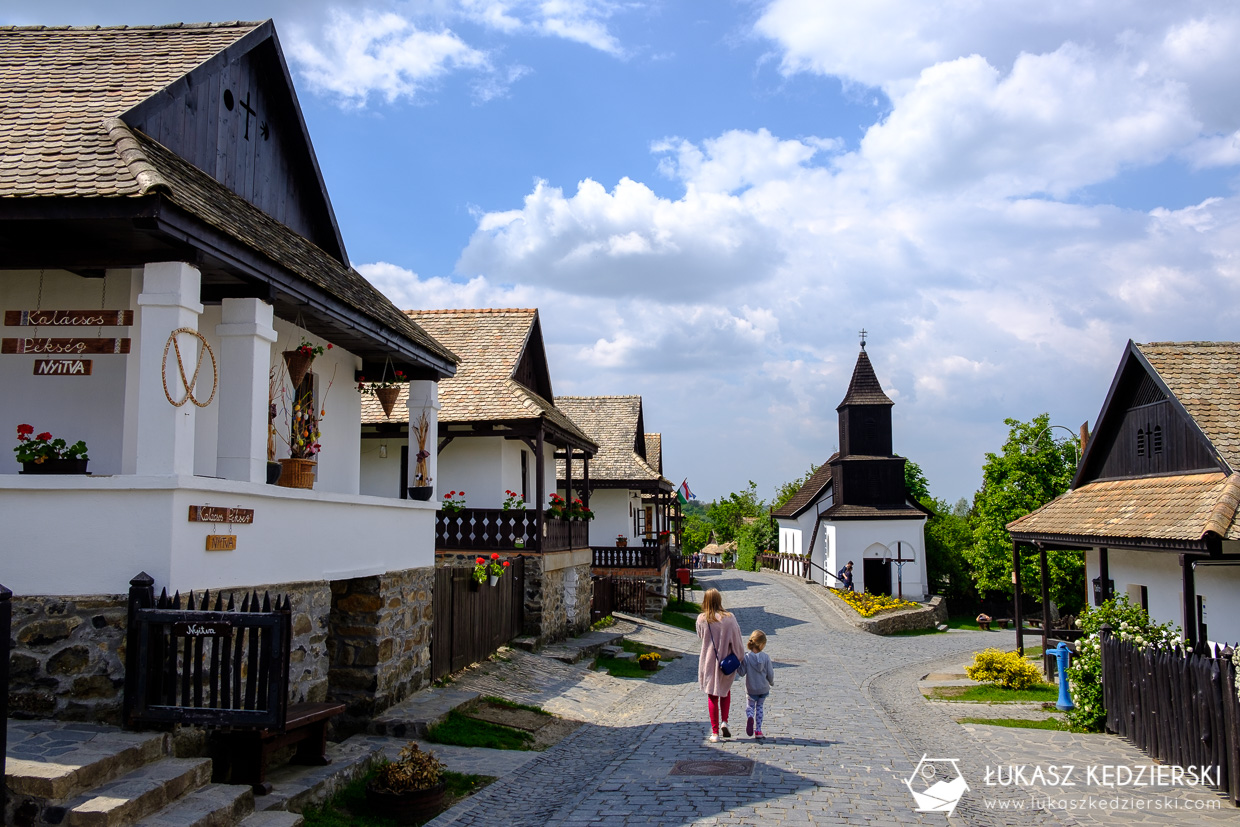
[[611, 516], [851, 538]]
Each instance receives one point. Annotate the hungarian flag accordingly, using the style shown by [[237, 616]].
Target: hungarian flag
[[683, 493]]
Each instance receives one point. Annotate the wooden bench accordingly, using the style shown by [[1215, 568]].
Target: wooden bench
[[225, 668]]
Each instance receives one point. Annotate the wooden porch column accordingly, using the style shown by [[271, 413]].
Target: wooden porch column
[[1046, 603], [1104, 575], [568, 475], [540, 488], [585, 481], [1189, 587], [1020, 631]]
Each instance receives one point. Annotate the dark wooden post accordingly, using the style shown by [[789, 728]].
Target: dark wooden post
[[1104, 575], [540, 487], [141, 596], [1017, 619], [6, 631], [1046, 608], [585, 481], [1189, 587], [568, 475]]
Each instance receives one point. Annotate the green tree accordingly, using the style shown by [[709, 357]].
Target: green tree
[[915, 482], [755, 536], [727, 515], [947, 538], [789, 490], [1031, 470], [695, 533]]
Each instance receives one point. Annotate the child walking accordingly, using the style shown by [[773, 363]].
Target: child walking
[[759, 675]]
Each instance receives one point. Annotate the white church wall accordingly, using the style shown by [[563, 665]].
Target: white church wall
[[852, 539]]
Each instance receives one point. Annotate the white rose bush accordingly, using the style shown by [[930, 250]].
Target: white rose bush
[[1128, 622]]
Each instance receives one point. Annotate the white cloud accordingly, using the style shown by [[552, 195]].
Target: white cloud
[[384, 54], [581, 21]]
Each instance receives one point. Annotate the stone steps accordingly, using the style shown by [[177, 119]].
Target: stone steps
[[138, 793], [272, 818], [215, 805], [49, 760]]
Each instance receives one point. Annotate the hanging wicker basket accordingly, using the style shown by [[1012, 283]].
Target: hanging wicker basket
[[297, 473], [297, 363], [387, 398]]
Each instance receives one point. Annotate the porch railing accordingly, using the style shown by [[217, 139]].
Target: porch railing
[[794, 564], [641, 557], [496, 529]]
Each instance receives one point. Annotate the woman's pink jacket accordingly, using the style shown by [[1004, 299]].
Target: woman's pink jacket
[[727, 633]]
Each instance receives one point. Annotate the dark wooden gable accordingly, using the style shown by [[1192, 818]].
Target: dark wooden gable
[[1143, 430], [236, 118], [532, 370], [639, 441]]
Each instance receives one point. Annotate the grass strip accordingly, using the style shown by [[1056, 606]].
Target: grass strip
[[680, 621], [686, 606], [993, 694], [1057, 724], [507, 704], [463, 731], [348, 807]]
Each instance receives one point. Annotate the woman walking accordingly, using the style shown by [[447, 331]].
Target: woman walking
[[721, 636]]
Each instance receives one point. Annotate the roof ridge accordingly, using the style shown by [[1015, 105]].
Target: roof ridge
[[230, 24], [450, 310], [1224, 511], [130, 152], [604, 396]]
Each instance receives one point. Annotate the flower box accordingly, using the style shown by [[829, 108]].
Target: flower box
[[55, 466]]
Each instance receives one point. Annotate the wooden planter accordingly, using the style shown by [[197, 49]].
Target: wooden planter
[[622, 542], [648, 665], [56, 466], [297, 473], [405, 808], [297, 363], [387, 398]]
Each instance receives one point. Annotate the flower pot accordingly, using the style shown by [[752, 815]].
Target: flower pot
[[421, 492], [297, 363], [406, 808], [55, 466], [648, 665], [274, 469], [296, 473], [387, 398], [622, 542], [518, 544], [492, 579]]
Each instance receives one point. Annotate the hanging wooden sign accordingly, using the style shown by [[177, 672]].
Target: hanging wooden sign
[[64, 347], [216, 514], [62, 367], [68, 318], [221, 542]]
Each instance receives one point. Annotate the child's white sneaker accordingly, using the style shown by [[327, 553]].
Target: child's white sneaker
[[724, 731]]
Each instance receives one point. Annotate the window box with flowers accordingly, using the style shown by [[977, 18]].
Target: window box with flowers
[[387, 391], [43, 454], [560, 509], [453, 502], [514, 502]]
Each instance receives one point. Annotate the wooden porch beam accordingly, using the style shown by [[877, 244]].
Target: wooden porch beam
[[1020, 630], [443, 443], [1046, 604], [540, 464]]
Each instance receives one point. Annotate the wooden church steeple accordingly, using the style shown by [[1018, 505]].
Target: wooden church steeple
[[866, 471]]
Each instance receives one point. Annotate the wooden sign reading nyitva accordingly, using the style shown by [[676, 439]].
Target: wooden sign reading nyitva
[[62, 367], [221, 542], [68, 318]]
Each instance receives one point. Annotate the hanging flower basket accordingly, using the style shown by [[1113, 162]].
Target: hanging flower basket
[[298, 362], [387, 398], [297, 473]]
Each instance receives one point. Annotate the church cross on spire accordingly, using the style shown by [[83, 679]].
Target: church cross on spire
[[862, 334]]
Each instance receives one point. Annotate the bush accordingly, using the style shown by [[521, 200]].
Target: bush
[[1007, 669], [1084, 671]]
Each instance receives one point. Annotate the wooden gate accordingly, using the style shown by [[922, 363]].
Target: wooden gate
[[472, 620], [617, 594]]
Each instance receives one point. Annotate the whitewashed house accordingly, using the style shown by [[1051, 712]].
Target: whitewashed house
[[855, 507], [1153, 504], [165, 233], [498, 432]]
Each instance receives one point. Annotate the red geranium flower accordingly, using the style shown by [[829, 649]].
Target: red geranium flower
[[494, 555], [45, 436], [24, 431], [480, 561], [505, 562]]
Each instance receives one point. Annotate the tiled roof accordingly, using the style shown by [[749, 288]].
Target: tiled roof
[[1205, 378], [873, 512], [488, 344], [207, 199], [611, 421], [864, 387], [60, 84], [808, 492], [1182, 507], [654, 451]]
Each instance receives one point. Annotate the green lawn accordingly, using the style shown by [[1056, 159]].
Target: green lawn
[[618, 668], [680, 621], [988, 693], [507, 704], [1057, 724], [347, 808], [685, 606], [463, 731]]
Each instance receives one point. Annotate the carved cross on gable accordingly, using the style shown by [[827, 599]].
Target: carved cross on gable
[[245, 104]]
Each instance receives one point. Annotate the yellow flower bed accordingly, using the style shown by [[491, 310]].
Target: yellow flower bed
[[868, 605]]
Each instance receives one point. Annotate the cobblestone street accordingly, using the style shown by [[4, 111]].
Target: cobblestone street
[[845, 722]]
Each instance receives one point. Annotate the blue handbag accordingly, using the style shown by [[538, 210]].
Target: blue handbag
[[730, 663]]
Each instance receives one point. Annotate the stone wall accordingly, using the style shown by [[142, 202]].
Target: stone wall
[[68, 660], [928, 615], [379, 644]]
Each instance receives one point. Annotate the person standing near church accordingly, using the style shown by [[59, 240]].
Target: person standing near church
[[845, 577]]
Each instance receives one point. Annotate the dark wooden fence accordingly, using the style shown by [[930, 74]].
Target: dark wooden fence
[[617, 594], [6, 634], [472, 620], [205, 665], [1179, 708], [614, 557], [493, 529]]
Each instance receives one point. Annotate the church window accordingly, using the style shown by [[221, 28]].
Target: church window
[[1156, 442], [1140, 442]]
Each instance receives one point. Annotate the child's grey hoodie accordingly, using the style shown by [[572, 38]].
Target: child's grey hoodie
[[759, 673]]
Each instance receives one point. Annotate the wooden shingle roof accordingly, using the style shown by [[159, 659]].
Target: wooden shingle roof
[[864, 387], [1205, 378], [489, 344], [808, 492], [614, 422], [654, 451], [60, 84]]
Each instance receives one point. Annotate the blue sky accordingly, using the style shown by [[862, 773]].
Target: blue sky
[[707, 200]]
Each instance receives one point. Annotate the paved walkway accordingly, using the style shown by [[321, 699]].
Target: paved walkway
[[846, 727]]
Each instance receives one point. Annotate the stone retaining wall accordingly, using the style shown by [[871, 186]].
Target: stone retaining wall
[[926, 616]]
